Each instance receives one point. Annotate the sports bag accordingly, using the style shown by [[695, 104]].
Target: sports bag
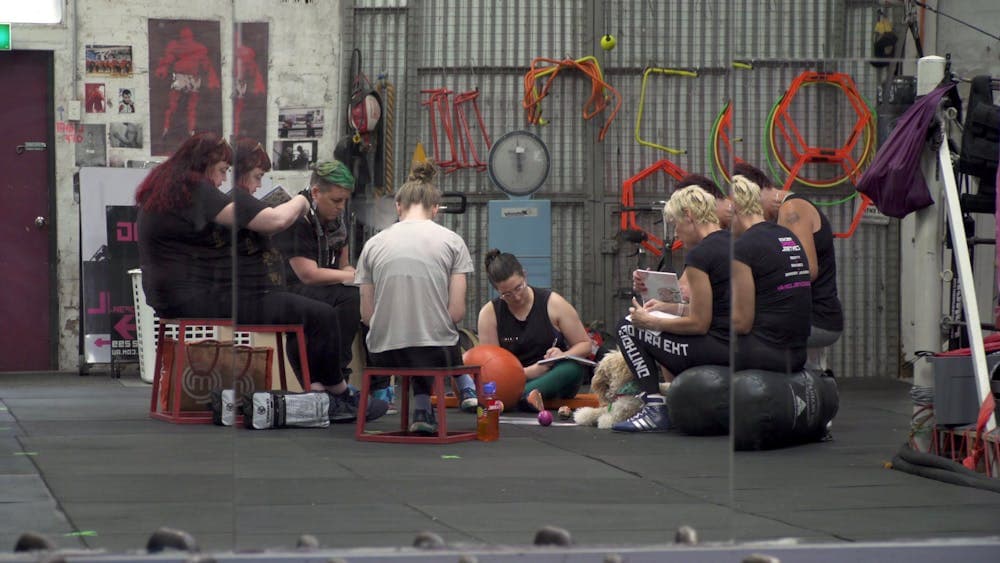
[[281, 409]]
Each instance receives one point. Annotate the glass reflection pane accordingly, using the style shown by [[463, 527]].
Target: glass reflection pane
[[816, 104]]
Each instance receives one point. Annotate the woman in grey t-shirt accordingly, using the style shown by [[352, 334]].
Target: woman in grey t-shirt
[[413, 281]]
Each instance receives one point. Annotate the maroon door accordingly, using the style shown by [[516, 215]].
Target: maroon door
[[27, 232]]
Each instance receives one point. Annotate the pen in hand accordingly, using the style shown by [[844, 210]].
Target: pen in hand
[[548, 353]]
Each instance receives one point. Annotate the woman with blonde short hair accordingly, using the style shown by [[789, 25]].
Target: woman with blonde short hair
[[681, 335], [771, 293]]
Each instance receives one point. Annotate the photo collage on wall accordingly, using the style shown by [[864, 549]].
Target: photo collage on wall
[[108, 90], [299, 131]]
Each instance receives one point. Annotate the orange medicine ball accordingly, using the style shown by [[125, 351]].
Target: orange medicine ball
[[499, 365]]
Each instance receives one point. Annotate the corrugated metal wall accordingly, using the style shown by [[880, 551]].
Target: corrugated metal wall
[[489, 44]]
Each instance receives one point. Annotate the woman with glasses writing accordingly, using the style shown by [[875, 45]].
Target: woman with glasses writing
[[534, 324]]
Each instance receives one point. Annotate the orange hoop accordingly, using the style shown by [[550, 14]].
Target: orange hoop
[[802, 153], [650, 242]]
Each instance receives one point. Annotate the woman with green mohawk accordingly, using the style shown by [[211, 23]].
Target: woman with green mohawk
[[317, 261], [263, 297]]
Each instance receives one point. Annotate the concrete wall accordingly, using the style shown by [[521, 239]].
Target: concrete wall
[[304, 69]]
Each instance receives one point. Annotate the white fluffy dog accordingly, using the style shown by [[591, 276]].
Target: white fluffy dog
[[616, 392]]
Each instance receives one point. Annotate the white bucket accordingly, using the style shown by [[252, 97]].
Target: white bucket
[[145, 322]]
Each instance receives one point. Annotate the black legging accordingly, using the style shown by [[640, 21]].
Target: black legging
[[318, 320], [754, 353], [644, 349], [346, 302], [419, 356]]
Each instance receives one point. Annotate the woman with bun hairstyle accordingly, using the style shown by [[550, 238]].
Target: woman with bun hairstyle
[[534, 324], [412, 277]]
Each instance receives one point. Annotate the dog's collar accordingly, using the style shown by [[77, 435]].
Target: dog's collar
[[630, 388]]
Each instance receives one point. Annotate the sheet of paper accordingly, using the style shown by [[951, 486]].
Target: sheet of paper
[[657, 314], [662, 286]]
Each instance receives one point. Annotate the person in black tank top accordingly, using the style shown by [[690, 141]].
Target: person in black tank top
[[771, 291], [814, 231], [534, 324], [697, 332]]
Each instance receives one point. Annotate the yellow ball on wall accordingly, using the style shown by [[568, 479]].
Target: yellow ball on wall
[[608, 42]]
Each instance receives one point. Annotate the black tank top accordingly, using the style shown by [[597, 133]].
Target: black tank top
[[827, 312], [530, 338]]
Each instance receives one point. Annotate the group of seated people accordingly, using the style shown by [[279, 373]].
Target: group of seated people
[[778, 290], [205, 253]]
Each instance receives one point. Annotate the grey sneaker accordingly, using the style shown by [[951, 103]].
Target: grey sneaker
[[423, 422], [469, 400]]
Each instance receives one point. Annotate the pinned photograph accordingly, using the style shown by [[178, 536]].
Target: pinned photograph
[[109, 60], [125, 135], [96, 101], [294, 155], [92, 150], [126, 100], [300, 123]]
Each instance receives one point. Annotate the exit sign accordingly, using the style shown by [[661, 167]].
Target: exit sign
[[4, 37]]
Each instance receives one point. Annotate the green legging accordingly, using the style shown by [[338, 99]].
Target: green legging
[[561, 382]]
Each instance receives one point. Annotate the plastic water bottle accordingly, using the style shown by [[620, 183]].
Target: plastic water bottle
[[488, 414]]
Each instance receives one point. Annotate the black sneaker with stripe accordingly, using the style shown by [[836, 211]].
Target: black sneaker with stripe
[[652, 417]]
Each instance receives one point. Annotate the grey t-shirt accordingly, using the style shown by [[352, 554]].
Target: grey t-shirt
[[410, 264]]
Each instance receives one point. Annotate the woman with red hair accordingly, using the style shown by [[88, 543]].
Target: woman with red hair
[[187, 256]]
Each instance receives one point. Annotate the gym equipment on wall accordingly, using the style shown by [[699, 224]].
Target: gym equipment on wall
[[782, 131], [721, 145], [466, 145], [596, 103], [630, 228], [440, 111], [642, 102]]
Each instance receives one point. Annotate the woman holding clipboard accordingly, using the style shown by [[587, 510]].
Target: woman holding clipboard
[[538, 326], [681, 335]]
